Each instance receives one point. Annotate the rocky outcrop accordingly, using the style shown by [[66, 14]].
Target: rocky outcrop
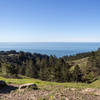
[[2, 84], [29, 86]]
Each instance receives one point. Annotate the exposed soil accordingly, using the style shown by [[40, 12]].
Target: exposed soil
[[12, 92]]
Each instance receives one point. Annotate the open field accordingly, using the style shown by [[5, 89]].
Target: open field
[[51, 90]]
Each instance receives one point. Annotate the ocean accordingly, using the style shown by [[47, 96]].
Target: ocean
[[58, 49]]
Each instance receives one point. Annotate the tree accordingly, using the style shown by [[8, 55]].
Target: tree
[[61, 71], [10, 69], [44, 70], [29, 68], [21, 69], [77, 74]]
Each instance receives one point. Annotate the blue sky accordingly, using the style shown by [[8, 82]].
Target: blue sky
[[49, 20]]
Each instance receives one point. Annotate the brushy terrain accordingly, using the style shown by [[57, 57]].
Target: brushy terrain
[[50, 90], [83, 66]]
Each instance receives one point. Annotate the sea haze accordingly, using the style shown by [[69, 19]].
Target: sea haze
[[58, 49]]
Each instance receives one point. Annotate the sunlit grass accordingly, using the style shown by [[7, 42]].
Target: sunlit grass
[[25, 80], [96, 83]]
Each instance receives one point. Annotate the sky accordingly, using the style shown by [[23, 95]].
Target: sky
[[49, 20]]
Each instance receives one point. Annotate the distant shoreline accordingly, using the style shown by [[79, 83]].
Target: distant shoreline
[[59, 49]]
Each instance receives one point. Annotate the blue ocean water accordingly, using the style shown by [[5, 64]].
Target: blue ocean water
[[58, 49]]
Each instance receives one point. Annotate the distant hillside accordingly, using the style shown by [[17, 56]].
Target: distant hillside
[[83, 67]]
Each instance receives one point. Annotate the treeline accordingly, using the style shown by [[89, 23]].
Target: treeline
[[48, 68]]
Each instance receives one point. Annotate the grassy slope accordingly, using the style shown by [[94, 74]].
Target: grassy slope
[[25, 80], [96, 83], [82, 63]]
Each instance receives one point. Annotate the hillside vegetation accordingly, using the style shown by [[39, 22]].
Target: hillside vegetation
[[84, 67], [67, 78]]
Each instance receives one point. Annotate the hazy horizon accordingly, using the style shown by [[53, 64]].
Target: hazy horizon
[[49, 41]]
